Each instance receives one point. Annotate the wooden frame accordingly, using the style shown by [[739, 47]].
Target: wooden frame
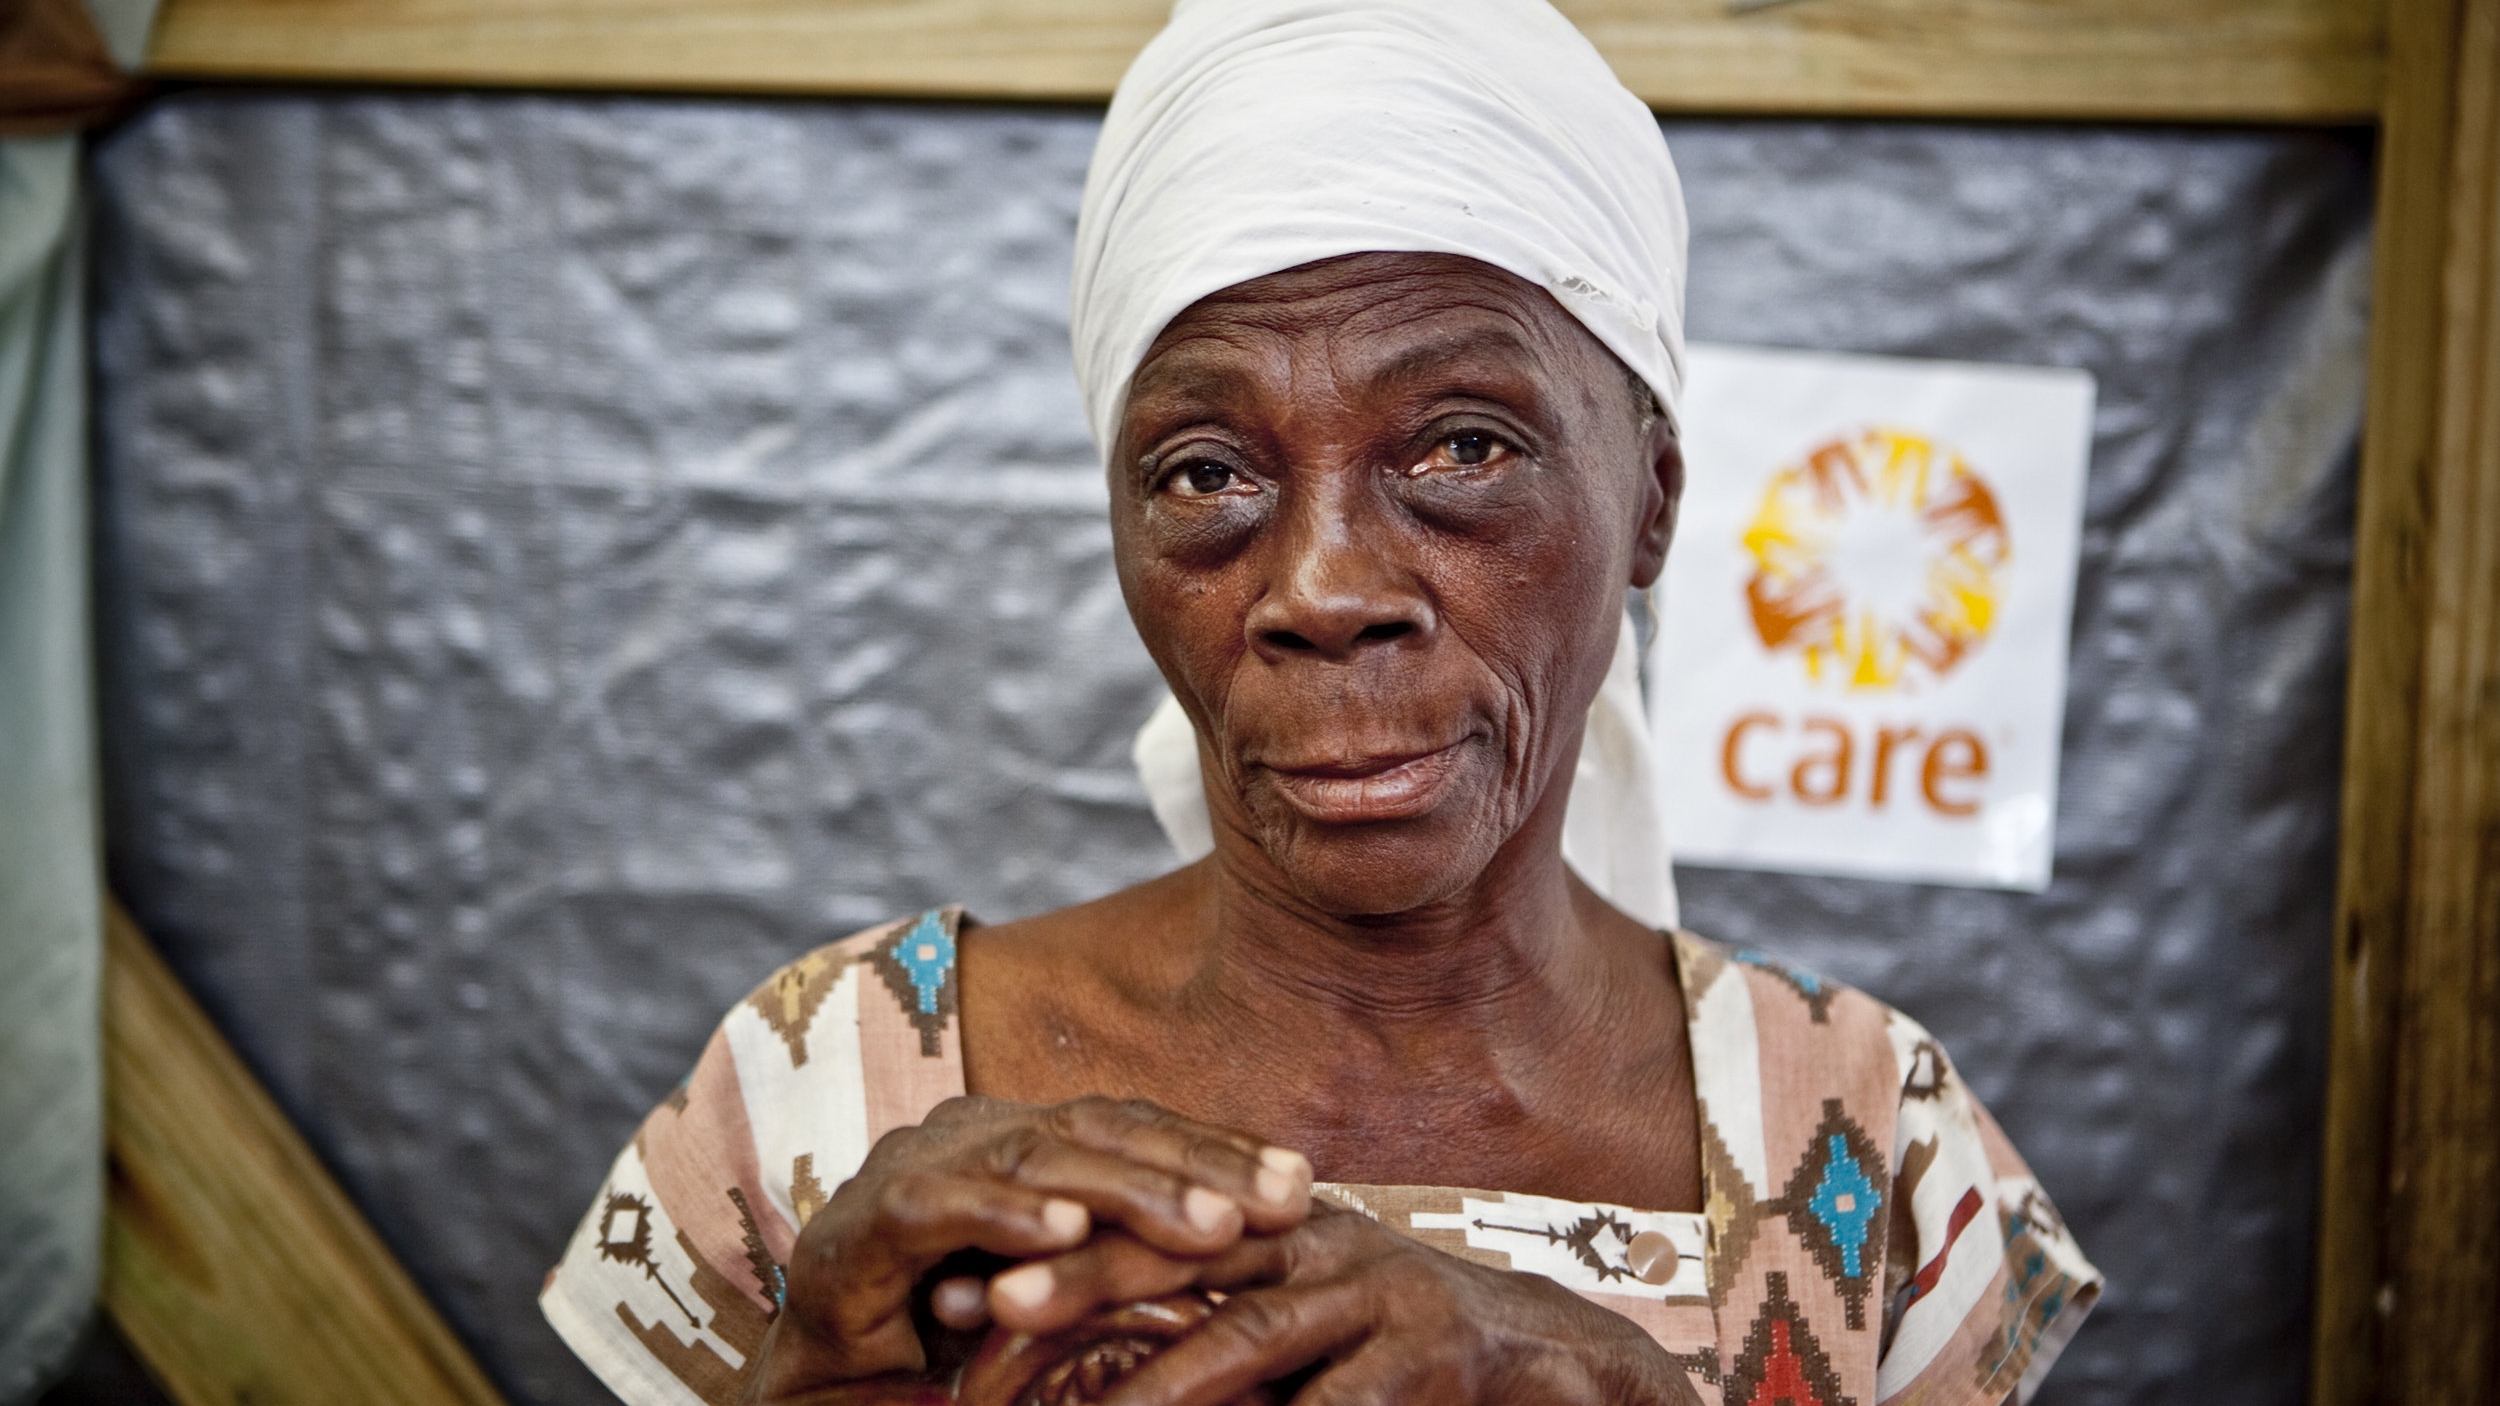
[[233, 1263], [2408, 1277], [2219, 60], [2408, 1280]]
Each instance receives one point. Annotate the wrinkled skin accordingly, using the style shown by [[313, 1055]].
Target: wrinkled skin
[[1374, 518], [1011, 1180]]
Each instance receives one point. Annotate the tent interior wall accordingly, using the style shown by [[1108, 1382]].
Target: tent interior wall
[[562, 553]]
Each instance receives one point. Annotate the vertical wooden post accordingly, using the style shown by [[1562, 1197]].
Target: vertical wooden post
[[2408, 1291]]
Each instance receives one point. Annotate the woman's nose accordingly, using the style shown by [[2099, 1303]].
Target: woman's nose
[[1334, 596]]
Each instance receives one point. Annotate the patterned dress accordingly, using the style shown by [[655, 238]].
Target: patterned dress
[[1868, 1236]]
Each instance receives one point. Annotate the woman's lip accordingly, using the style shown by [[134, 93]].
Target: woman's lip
[[1387, 788]]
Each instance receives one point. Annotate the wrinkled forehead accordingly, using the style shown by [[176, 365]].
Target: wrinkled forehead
[[1381, 321]]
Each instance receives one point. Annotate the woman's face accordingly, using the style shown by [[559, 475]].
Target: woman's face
[[1375, 518]]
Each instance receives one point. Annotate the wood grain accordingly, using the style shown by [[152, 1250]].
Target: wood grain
[[2408, 1290], [2227, 60], [233, 1263]]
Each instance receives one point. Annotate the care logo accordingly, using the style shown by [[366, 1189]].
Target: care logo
[[1853, 672], [1879, 559]]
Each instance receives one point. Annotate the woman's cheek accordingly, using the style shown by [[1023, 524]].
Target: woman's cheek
[[1542, 728], [1202, 534], [1192, 623], [1539, 671], [1488, 509]]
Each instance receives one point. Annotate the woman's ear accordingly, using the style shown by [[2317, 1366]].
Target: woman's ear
[[1662, 492]]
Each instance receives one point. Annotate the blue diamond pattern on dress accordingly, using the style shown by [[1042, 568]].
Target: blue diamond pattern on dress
[[1806, 981], [1845, 1201], [1836, 1204], [926, 954], [917, 965], [1813, 990]]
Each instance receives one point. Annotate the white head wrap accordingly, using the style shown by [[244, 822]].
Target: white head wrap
[[1254, 136]]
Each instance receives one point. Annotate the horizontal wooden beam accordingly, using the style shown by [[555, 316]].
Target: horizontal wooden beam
[[2127, 60], [232, 1262]]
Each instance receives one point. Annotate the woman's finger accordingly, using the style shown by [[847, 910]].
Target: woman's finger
[[1253, 1338], [1044, 1296], [1326, 1246], [1163, 1208], [962, 1304], [857, 1260], [925, 1216], [1025, 1183], [852, 1275], [1271, 1184]]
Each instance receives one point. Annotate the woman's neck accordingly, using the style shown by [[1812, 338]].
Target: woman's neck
[[1460, 1043], [1510, 941], [1457, 1043]]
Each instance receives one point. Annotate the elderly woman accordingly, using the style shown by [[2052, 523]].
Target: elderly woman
[[1378, 315]]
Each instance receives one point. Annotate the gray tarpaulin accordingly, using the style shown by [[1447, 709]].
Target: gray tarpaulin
[[562, 557], [51, 1078]]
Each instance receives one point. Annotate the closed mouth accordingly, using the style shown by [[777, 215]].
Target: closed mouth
[[1370, 789]]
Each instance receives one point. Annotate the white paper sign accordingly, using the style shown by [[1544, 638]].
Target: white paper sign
[[1861, 661]]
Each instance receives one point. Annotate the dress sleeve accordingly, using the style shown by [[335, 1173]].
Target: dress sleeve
[[668, 1284], [1984, 1284]]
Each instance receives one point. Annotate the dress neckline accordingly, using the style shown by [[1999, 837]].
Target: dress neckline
[[939, 932]]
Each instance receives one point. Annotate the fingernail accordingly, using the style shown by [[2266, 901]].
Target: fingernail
[[1283, 1174], [1286, 1160], [960, 1303], [1064, 1219], [1026, 1286], [1205, 1209]]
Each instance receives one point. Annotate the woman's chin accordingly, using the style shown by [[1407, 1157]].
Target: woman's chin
[[1375, 870]]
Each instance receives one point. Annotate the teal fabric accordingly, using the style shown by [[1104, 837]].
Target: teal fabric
[[125, 25], [51, 1078]]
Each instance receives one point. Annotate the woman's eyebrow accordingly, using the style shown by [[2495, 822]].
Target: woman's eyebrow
[[1486, 346], [1187, 380]]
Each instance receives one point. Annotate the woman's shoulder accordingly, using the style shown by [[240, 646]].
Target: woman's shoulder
[[1788, 1017], [903, 982], [1131, 921], [924, 940]]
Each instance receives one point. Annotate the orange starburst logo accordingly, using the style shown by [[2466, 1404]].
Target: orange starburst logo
[[1879, 559]]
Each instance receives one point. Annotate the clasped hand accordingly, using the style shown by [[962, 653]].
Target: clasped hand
[[1098, 1202]]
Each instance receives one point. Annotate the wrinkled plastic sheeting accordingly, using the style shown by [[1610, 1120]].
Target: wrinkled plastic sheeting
[[565, 556]]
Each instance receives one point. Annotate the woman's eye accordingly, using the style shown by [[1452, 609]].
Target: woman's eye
[[1203, 479], [1467, 449]]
